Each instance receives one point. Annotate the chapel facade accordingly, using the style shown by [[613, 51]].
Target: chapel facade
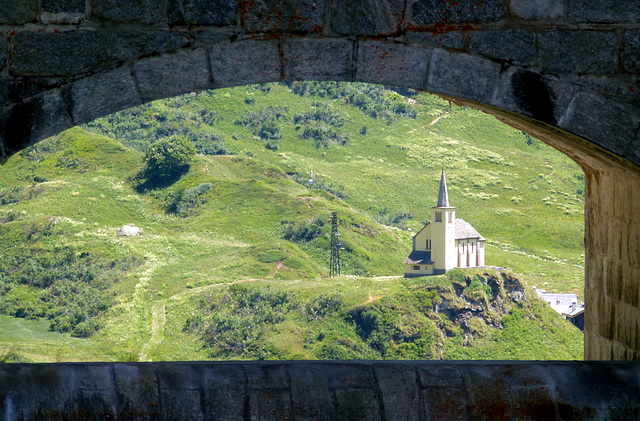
[[445, 242]]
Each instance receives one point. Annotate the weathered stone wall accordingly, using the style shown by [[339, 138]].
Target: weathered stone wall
[[321, 391], [565, 70], [612, 321]]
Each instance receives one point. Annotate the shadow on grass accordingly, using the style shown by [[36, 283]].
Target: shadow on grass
[[148, 180]]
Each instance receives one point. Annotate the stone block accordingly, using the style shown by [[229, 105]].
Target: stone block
[[260, 376], [62, 11], [101, 94], [449, 39], [530, 375], [446, 404], [99, 405], [463, 75], [631, 51], [367, 17], [18, 88], [513, 46], [584, 52], [58, 54], [604, 11], [12, 405], [358, 404], [602, 385], [127, 11], [181, 405], [63, 6], [528, 93], [400, 395], [533, 403], [126, 45], [292, 16], [430, 12], [318, 59], [225, 393], [603, 121], [203, 12], [539, 9], [16, 12], [177, 377], [245, 62], [345, 376], [273, 404], [70, 388], [486, 393], [31, 121], [392, 64], [137, 390], [625, 88], [311, 392], [173, 74], [440, 376]]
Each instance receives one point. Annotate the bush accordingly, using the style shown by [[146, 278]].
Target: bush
[[168, 157], [323, 305], [233, 322], [303, 231], [210, 144], [184, 203]]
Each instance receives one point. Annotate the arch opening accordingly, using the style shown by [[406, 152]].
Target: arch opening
[[239, 117]]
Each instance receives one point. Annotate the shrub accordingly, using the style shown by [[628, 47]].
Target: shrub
[[183, 203], [303, 231], [322, 306], [168, 157]]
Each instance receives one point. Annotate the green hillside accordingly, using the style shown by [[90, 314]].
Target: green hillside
[[241, 228], [526, 198]]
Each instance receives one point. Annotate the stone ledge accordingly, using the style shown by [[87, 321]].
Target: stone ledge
[[322, 390]]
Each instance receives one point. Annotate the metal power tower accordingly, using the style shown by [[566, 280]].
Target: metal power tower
[[336, 246]]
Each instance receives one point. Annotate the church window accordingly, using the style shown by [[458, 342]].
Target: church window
[[450, 217], [416, 268], [428, 245], [438, 216]]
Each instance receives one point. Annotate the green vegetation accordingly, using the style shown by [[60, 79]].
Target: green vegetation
[[237, 233]]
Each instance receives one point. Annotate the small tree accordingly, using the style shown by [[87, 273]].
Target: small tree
[[169, 157]]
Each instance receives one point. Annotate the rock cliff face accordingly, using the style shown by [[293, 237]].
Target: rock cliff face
[[480, 298]]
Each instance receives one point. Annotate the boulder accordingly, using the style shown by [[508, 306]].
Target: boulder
[[129, 230]]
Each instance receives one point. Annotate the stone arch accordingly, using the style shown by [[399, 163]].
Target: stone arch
[[565, 71]]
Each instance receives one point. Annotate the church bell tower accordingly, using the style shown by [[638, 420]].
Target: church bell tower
[[443, 231]]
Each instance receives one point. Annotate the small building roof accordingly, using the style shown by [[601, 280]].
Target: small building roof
[[464, 230], [419, 257], [574, 313], [562, 303]]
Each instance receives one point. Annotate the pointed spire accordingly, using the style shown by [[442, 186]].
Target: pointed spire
[[443, 195]]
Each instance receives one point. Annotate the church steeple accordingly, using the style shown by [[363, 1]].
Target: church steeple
[[443, 195]]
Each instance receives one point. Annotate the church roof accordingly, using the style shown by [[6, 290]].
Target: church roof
[[464, 230], [419, 257], [443, 194]]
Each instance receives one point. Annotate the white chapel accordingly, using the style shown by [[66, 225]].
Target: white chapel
[[445, 242]]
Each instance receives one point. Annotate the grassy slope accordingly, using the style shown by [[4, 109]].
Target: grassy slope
[[221, 242], [525, 199]]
